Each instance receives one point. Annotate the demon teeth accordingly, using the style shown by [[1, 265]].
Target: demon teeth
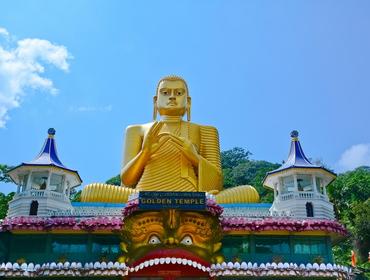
[[170, 260]]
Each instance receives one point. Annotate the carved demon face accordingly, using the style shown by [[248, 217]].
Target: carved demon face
[[196, 234]]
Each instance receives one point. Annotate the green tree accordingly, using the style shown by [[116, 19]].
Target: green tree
[[116, 180], [238, 170], [4, 177], [235, 156], [75, 196], [4, 200], [350, 193], [348, 188], [361, 228]]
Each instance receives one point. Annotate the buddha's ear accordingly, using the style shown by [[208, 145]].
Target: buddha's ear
[[155, 108], [188, 108]]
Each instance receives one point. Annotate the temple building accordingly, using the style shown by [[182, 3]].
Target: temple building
[[44, 184], [291, 237], [170, 218], [300, 186]]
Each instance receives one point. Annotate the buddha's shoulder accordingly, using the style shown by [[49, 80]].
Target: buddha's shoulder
[[138, 128], [204, 128]]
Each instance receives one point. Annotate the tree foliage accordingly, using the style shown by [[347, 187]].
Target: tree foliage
[[239, 170], [4, 200], [350, 193], [75, 196], [234, 157], [349, 188], [116, 180], [4, 177]]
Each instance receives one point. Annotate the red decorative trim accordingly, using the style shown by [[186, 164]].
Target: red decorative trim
[[276, 224], [61, 223]]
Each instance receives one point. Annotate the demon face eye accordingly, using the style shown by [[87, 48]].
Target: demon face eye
[[187, 240]]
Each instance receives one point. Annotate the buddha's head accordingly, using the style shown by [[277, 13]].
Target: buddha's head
[[172, 97]]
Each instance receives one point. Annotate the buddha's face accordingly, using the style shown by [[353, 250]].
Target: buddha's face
[[172, 98], [169, 232]]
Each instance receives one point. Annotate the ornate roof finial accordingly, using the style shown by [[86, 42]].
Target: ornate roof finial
[[294, 134], [51, 132]]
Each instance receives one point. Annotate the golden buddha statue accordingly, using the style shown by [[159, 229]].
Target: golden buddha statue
[[170, 154]]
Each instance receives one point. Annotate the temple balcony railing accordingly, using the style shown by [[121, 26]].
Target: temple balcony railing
[[42, 194], [247, 210], [302, 195]]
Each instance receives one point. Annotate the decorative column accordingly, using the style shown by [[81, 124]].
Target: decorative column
[[48, 181], [29, 180], [296, 193], [314, 184]]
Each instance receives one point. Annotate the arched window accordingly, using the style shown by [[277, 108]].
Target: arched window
[[309, 209], [34, 208]]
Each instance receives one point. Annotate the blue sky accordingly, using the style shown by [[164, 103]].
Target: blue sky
[[256, 70]]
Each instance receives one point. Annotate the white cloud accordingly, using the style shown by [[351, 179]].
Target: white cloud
[[355, 156], [22, 66], [4, 32], [106, 108]]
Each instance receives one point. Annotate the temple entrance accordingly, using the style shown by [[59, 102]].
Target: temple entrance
[[309, 209], [34, 208]]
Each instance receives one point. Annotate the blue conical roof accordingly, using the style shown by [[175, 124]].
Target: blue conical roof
[[296, 157], [48, 154]]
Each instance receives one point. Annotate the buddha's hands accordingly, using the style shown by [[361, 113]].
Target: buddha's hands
[[152, 140], [186, 147]]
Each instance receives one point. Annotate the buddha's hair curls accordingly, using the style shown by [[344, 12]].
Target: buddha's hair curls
[[172, 78]]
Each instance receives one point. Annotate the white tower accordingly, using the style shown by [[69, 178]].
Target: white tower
[[44, 184], [300, 186]]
